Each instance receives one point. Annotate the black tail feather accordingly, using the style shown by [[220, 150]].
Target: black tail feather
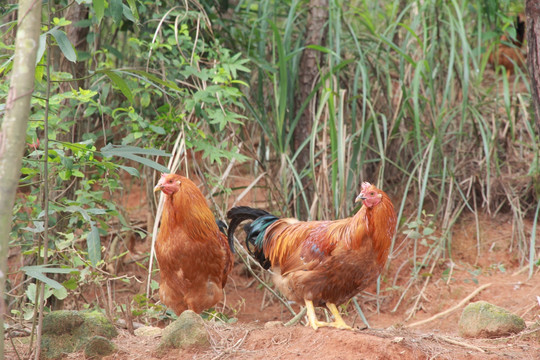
[[261, 220], [223, 228]]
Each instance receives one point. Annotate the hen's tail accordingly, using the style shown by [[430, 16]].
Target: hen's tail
[[254, 231]]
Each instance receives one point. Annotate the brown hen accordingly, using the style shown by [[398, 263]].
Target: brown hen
[[193, 254]]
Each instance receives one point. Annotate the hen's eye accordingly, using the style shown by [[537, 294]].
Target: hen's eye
[[372, 193]]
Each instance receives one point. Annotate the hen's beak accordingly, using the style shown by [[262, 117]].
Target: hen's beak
[[158, 187], [360, 197]]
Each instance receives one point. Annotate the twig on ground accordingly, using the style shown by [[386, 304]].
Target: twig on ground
[[459, 343], [297, 318], [452, 309], [231, 349]]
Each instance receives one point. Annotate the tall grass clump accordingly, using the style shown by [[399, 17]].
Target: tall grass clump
[[405, 98]]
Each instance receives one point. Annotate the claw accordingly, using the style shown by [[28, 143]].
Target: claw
[[338, 323]]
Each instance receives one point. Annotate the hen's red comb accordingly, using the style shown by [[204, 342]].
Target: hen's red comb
[[365, 186]]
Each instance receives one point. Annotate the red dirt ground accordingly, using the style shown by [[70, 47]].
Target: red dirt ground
[[259, 333]]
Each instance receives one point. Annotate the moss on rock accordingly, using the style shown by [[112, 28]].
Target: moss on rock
[[98, 347], [188, 330], [67, 331], [484, 320]]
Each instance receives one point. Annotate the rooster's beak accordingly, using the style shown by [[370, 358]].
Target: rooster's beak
[[360, 197]]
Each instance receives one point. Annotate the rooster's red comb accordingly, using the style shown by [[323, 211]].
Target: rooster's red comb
[[365, 186]]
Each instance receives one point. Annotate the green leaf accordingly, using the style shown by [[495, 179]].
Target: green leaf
[[61, 293], [120, 150], [120, 83], [29, 171], [65, 174], [96, 211], [130, 170], [42, 47], [319, 48], [145, 99], [31, 292], [93, 241], [428, 231], [116, 9], [126, 11], [74, 208], [64, 44], [133, 8], [99, 9], [413, 234], [158, 129], [155, 79], [37, 272], [129, 152], [48, 269], [78, 174], [71, 283], [39, 226]]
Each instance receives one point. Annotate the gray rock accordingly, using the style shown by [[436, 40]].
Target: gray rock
[[188, 330], [68, 331], [484, 320], [150, 331], [98, 347]]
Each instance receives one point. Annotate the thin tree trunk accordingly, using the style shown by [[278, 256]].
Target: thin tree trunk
[[532, 11], [13, 128], [308, 72]]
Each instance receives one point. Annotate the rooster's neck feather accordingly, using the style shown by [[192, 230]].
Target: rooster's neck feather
[[381, 222]]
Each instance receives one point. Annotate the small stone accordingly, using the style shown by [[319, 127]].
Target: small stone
[[98, 347], [484, 320], [273, 324], [187, 331], [150, 331]]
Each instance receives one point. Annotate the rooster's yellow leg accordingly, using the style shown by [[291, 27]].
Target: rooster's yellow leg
[[338, 323], [312, 318], [338, 320]]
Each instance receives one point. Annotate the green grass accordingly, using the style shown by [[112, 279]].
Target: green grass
[[406, 99]]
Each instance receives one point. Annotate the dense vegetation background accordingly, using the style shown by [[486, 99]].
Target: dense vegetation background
[[310, 97]]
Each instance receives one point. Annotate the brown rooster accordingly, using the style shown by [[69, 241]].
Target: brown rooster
[[193, 255], [322, 262]]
